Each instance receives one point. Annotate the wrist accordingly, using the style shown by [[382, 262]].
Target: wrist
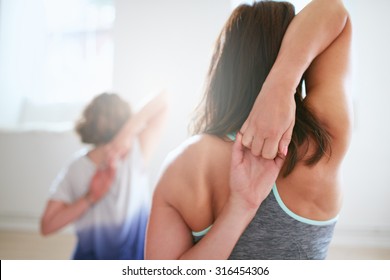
[[280, 84], [242, 207], [287, 72], [89, 199]]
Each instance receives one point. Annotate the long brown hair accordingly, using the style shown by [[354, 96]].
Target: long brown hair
[[244, 54]]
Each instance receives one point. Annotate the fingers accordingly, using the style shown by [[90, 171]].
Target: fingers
[[279, 160], [111, 170], [286, 139], [267, 148], [244, 127], [247, 134], [270, 148], [257, 146], [106, 173], [247, 139]]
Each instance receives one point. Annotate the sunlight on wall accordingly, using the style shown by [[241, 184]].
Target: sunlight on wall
[[79, 58], [62, 51], [168, 44]]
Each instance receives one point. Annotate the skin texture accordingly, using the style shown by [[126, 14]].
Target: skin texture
[[268, 129], [213, 181]]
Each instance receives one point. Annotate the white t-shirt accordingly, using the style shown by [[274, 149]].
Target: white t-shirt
[[114, 227]]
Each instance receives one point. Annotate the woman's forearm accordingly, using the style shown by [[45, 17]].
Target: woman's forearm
[[269, 126], [219, 242], [311, 32], [140, 119], [58, 215]]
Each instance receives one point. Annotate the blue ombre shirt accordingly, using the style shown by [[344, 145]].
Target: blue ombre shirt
[[114, 227]]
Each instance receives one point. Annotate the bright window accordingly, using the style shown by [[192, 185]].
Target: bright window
[[53, 51], [79, 57]]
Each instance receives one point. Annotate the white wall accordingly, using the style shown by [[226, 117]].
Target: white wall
[[366, 211], [20, 67], [166, 44], [30, 160]]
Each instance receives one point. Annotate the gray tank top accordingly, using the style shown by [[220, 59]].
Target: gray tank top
[[276, 233]]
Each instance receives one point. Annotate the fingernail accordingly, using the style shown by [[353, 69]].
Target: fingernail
[[285, 150]]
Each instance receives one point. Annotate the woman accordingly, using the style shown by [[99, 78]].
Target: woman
[[105, 197], [217, 199]]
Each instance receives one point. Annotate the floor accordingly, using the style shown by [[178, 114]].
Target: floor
[[29, 246], [33, 246]]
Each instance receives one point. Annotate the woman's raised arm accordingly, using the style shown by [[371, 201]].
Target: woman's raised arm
[[147, 123], [269, 126]]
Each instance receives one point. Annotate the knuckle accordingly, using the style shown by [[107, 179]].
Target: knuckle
[[245, 141], [273, 133], [268, 155], [245, 144]]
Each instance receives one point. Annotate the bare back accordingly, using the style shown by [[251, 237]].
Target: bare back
[[310, 192], [195, 190]]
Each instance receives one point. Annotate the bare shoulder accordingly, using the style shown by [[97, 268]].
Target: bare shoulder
[[186, 166], [186, 182]]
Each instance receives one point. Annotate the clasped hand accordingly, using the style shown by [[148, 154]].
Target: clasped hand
[[268, 128], [251, 177]]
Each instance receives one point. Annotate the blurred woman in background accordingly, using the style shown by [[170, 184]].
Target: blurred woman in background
[[104, 190]]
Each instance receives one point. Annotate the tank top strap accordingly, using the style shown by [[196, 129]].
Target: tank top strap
[[232, 136]]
